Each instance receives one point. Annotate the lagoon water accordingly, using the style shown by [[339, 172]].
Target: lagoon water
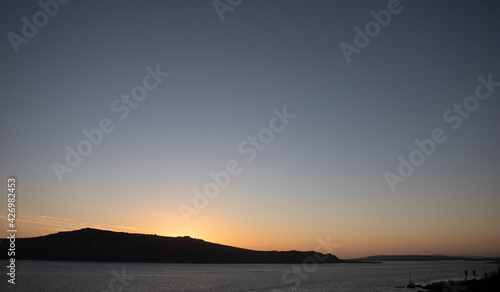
[[89, 276]]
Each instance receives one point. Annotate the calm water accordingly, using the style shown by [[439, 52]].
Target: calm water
[[78, 276]]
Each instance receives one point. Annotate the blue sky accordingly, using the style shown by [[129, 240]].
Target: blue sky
[[322, 175]]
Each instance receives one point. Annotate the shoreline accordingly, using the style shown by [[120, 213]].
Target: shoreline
[[489, 282]]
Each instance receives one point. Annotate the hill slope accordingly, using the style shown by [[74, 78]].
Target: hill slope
[[99, 245]]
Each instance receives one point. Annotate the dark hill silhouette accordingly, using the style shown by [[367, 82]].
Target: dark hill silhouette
[[99, 245], [422, 258]]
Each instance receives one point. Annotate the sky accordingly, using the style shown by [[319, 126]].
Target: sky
[[371, 123]]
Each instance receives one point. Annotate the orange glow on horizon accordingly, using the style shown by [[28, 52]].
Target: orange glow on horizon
[[352, 244]]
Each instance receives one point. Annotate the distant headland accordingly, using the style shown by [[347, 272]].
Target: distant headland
[[389, 258], [97, 245], [90, 244]]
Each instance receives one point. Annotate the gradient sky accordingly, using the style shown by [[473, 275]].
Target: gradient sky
[[323, 175]]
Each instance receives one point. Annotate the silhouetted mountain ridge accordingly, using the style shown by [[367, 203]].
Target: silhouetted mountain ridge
[[90, 244]]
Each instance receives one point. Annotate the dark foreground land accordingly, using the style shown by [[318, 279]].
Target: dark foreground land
[[107, 246], [489, 283]]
